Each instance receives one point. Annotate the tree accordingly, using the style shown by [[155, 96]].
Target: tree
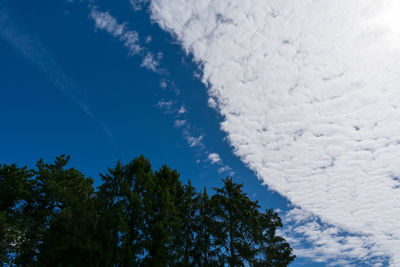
[[234, 215], [185, 236], [243, 234], [162, 218], [52, 215], [16, 189], [274, 250], [121, 206], [45, 213], [204, 252], [63, 219]]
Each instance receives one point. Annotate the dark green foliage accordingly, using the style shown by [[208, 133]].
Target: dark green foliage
[[205, 252], [14, 189], [235, 218], [52, 216]]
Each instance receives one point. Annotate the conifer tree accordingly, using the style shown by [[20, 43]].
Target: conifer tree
[[204, 253], [185, 235], [52, 216], [243, 234], [234, 215]]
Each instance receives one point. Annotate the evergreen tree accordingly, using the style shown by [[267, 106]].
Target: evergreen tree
[[234, 215], [243, 234], [204, 252], [138, 217], [45, 213], [185, 235], [274, 251], [162, 216], [121, 206], [64, 215], [16, 188]]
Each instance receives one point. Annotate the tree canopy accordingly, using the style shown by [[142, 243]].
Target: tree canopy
[[52, 215]]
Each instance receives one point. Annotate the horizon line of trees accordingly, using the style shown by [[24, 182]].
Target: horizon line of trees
[[53, 216]]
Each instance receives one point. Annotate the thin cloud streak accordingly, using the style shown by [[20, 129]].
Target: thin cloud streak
[[130, 38], [32, 49]]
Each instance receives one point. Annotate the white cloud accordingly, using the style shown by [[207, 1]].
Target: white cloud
[[226, 168], [309, 92], [182, 110], [166, 105], [130, 39], [105, 21], [179, 123], [327, 242], [212, 103], [194, 141], [138, 4], [149, 38], [214, 158], [163, 84], [149, 62]]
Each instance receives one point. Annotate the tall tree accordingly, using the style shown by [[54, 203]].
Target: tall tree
[[121, 209], [244, 234], [185, 234], [204, 252], [46, 213], [16, 191], [273, 250], [234, 215], [162, 218], [64, 216], [138, 217]]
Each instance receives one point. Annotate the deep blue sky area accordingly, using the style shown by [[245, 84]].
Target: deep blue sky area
[[39, 119]]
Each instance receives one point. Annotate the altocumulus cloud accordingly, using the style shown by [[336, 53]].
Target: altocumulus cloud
[[309, 93]]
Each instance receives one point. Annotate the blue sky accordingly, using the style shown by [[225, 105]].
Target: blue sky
[[71, 85]]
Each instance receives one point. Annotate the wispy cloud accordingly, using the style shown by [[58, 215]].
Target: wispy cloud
[[104, 21], [138, 4], [214, 158], [166, 105], [309, 95], [194, 141], [29, 46], [226, 169], [149, 62], [179, 123], [182, 110], [130, 38], [163, 84]]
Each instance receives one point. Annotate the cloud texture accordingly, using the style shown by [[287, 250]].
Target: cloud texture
[[310, 95]]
